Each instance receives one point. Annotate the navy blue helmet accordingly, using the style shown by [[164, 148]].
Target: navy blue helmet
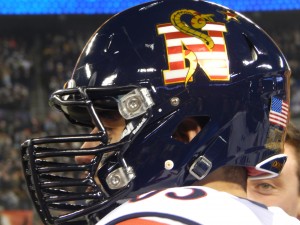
[[157, 64]]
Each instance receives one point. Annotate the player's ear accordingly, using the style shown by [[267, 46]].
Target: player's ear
[[187, 130]]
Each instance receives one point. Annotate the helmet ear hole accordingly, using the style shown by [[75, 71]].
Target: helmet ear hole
[[189, 127]]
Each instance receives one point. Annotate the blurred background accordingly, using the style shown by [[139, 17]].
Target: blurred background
[[40, 42]]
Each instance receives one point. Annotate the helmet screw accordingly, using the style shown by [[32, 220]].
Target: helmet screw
[[175, 101], [133, 104], [169, 164], [115, 180]]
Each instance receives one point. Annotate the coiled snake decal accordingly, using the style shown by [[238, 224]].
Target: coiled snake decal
[[198, 21], [194, 40]]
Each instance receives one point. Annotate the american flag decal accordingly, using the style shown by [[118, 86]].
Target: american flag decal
[[213, 61], [279, 112]]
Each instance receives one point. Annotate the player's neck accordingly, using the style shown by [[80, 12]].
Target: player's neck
[[232, 180], [229, 187]]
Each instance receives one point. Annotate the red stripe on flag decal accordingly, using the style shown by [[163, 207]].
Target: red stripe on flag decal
[[174, 49], [176, 65], [175, 35], [203, 48], [213, 33]]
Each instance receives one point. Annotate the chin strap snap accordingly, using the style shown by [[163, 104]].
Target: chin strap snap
[[200, 168]]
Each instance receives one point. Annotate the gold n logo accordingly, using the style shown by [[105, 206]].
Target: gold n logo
[[202, 44]]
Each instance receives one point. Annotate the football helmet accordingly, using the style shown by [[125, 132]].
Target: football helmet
[[157, 64]]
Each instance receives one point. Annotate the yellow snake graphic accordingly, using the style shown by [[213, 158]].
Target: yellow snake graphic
[[198, 22]]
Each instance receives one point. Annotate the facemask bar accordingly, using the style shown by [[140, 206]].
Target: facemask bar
[[46, 186], [49, 191], [130, 105], [62, 99]]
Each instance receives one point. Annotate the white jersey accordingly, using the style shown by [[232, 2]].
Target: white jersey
[[195, 205]]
